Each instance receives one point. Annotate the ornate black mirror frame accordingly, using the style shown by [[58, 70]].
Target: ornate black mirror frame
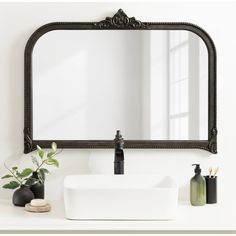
[[120, 21]]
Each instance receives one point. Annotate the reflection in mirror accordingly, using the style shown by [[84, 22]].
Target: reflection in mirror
[[151, 84]]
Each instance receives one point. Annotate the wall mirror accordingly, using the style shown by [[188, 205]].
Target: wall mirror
[[156, 82]]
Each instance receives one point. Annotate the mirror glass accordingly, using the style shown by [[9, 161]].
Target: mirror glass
[[150, 84]]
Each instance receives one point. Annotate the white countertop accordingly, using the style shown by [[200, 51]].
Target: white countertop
[[213, 217]]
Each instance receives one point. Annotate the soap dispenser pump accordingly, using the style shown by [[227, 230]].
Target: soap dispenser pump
[[197, 188]]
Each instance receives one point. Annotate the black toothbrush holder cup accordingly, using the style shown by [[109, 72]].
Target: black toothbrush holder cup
[[211, 189]]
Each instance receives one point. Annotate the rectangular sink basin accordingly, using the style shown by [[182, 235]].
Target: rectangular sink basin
[[120, 197]]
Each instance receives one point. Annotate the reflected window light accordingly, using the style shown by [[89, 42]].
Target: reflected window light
[[178, 85]]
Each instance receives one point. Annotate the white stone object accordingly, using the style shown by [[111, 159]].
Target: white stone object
[[38, 202]]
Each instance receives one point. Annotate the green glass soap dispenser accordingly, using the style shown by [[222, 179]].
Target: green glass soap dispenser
[[198, 188]]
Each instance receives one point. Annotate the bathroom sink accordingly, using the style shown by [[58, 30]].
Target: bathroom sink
[[120, 197]]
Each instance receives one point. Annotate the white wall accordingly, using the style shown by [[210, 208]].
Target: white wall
[[19, 20]]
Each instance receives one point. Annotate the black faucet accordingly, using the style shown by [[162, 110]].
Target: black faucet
[[119, 154]]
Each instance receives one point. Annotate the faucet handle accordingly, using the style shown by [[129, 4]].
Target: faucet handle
[[118, 134], [119, 141]]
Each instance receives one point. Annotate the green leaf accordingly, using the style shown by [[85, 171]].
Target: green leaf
[[50, 155], [46, 171], [35, 161], [14, 168], [45, 155], [7, 176], [26, 172], [41, 175], [31, 181], [52, 162], [40, 151], [11, 185], [54, 146]]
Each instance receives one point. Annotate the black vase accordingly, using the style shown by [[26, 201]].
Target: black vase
[[22, 196], [38, 188]]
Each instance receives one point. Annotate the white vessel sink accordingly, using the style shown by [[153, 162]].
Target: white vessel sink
[[120, 197]]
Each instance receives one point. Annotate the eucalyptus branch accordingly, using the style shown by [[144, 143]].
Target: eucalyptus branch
[[40, 165], [19, 181], [56, 153], [24, 176]]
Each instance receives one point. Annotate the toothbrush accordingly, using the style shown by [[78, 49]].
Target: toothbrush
[[215, 172], [210, 171]]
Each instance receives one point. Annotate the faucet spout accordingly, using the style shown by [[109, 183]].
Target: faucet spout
[[119, 154]]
